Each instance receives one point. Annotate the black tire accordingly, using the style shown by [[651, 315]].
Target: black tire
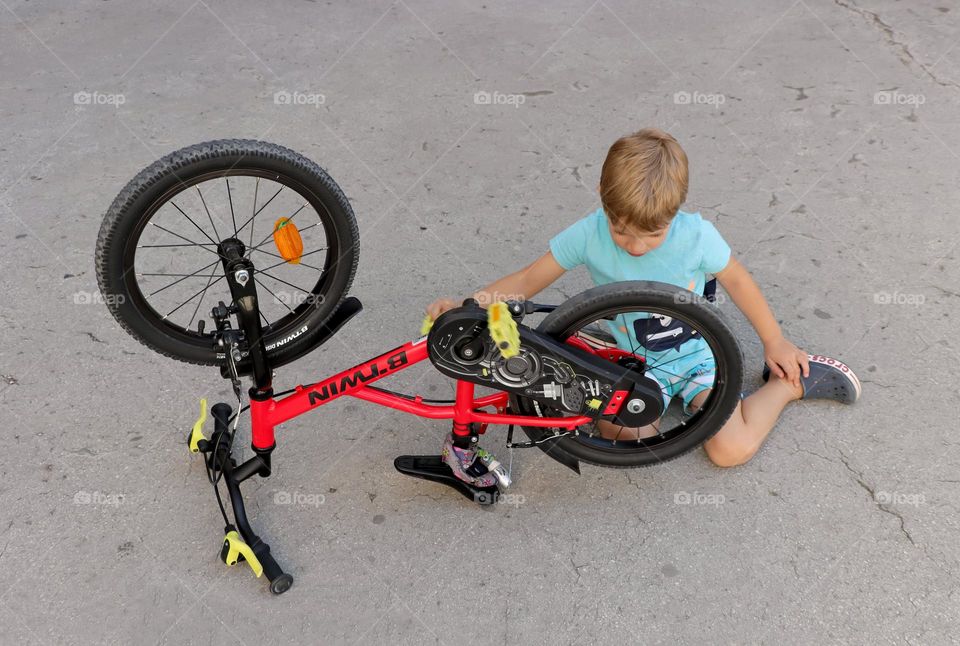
[[165, 179], [652, 297]]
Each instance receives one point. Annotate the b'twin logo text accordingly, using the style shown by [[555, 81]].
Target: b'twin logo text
[[337, 386], [285, 341]]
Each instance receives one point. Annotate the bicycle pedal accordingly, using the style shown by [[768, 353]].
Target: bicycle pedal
[[493, 466], [196, 440], [433, 468], [426, 325], [234, 551], [503, 330]]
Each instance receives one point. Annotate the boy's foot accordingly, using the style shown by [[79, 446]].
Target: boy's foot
[[469, 465], [829, 379]]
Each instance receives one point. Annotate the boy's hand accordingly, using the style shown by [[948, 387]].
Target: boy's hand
[[439, 306], [786, 360]]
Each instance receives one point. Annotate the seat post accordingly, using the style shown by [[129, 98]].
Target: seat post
[[462, 408]]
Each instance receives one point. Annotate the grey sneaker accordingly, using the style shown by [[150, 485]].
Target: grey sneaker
[[829, 379]]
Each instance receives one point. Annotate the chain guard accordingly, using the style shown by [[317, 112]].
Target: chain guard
[[556, 374]]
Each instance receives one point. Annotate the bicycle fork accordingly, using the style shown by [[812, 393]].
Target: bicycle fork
[[241, 543]]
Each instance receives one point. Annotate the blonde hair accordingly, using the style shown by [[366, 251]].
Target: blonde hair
[[644, 180]]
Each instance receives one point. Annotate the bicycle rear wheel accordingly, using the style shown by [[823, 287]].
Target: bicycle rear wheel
[[658, 327], [157, 259]]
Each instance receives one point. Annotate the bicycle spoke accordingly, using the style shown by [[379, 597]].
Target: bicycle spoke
[[192, 243], [660, 360], [275, 296], [683, 356], [256, 213], [307, 228], [280, 280], [230, 199], [209, 217], [165, 316], [626, 330], [617, 436], [632, 349], [200, 302], [304, 255], [272, 266], [269, 235], [666, 372], [177, 207], [185, 277], [173, 275], [302, 264], [256, 190]]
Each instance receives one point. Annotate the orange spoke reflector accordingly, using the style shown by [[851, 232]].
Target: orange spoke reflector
[[288, 240]]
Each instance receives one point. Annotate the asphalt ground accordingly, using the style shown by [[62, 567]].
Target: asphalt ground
[[823, 143]]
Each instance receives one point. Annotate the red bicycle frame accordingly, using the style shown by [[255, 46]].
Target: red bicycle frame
[[266, 414], [267, 410]]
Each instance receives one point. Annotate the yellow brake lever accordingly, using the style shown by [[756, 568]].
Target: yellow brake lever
[[503, 330], [234, 547], [197, 433]]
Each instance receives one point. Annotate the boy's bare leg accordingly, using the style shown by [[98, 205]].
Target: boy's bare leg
[[611, 431], [744, 432], [753, 419]]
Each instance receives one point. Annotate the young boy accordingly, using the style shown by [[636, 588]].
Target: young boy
[[640, 234]]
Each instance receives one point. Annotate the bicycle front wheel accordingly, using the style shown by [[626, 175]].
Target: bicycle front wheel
[[157, 259]]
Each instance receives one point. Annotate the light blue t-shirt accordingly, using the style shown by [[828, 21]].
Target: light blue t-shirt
[[692, 249]]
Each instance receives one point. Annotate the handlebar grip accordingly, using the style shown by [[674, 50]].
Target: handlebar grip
[[280, 581], [221, 417]]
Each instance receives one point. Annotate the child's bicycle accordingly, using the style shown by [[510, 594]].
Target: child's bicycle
[[219, 221]]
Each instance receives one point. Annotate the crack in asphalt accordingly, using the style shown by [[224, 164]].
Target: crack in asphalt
[[636, 485], [858, 476], [576, 569], [906, 56], [800, 449]]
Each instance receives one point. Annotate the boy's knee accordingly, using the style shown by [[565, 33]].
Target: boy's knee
[[727, 453]]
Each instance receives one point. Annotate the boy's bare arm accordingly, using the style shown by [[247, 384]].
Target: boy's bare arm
[[783, 357], [523, 284], [518, 286]]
